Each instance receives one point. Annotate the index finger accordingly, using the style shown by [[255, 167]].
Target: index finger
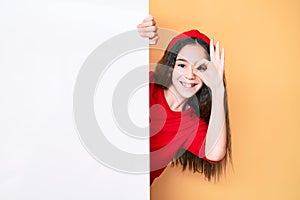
[[201, 66]]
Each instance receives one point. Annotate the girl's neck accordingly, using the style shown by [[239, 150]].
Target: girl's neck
[[175, 102]]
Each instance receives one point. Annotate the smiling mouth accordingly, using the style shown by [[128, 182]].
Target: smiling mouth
[[188, 85]]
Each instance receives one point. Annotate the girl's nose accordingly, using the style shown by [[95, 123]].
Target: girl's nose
[[190, 74]]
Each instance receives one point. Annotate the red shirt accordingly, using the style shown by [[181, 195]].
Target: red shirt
[[171, 131]]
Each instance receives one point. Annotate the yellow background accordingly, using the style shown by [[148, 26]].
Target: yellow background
[[262, 64]]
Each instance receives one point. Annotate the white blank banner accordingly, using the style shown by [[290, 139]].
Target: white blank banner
[[43, 45]]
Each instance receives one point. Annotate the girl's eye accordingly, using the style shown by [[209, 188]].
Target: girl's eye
[[181, 65], [202, 68]]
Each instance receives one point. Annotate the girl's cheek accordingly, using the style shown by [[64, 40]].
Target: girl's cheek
[[200, 80]]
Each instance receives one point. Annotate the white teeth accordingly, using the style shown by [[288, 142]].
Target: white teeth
[[187, 85]]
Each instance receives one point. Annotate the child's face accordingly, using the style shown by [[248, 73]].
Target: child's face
[[184, 77]]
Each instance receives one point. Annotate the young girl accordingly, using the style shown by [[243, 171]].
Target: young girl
[[189, 122]]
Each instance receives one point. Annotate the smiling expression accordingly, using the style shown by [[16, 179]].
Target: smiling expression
[[185, 82]]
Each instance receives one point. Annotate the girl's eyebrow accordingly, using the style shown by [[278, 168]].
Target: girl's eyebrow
[[181, 59]]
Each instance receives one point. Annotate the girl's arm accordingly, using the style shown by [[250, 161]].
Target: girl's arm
[[215, 142]]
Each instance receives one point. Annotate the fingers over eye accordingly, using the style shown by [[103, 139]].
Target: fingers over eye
[[202, 62], [202, 68]]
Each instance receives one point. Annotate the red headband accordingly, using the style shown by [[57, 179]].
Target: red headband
[[189, 34]]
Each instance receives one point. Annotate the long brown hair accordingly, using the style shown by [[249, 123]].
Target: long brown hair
[[201, 102]]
